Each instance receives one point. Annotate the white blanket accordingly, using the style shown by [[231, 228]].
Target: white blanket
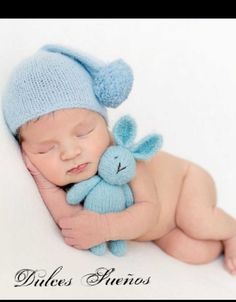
[[30, 240]]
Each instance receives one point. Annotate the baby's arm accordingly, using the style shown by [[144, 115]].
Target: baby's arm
[[55, 201], [89, 228], [53, 196], [138, 219]]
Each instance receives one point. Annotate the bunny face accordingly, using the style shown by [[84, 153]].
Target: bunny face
[[117, 165]]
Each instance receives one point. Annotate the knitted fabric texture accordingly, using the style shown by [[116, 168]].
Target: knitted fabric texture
[[56, 77], [109, 190]]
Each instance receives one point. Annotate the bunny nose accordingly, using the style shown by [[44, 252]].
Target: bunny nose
[[119, 168]]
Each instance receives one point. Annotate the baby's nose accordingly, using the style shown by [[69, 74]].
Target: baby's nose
[[70, 151]]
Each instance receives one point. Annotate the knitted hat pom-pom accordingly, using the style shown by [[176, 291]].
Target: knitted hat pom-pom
[[113, 83]]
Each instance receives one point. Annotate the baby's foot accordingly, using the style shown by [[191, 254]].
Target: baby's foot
[[230, 255]]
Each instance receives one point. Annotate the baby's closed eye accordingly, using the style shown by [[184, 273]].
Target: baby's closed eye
[[45, 150], [84, 132]]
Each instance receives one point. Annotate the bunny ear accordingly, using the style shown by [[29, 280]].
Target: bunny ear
[[147, 147], [124, 131]]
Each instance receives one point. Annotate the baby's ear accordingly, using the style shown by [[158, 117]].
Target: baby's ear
[[124, 131], [147, 147]]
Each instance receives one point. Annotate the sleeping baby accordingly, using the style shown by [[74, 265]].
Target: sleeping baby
[[55, 105]]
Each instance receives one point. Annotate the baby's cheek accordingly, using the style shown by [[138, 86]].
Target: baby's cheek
[[58, 176], [101, 146], [51, 170]]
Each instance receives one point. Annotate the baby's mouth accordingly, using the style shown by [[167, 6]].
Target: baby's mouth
[[77, 169]]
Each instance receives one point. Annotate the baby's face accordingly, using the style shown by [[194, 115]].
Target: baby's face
[[66, 139]]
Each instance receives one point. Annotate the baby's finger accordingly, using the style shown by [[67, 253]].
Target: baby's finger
[[65, 223], [25, 159], [77, 247], [68, 222], [70, 241], [67, 233], [33, 170]]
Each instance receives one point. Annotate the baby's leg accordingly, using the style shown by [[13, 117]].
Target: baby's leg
[[198, 216], [177, 244]]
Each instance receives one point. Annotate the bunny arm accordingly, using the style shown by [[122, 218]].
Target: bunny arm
[[128, 195], [79, 191]]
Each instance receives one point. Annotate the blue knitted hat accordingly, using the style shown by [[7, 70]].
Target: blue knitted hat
[[58, 78]]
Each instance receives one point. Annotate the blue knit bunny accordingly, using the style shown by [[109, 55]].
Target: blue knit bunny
[[109, 190]]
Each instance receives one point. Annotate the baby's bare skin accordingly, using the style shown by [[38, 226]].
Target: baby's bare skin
[[168, 173], [191, 229], [175, 200]]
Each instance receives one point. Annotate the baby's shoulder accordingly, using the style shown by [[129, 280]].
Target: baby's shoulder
[[158, 171], [164, 163]]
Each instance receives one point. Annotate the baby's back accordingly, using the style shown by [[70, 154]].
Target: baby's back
[[168, 172]]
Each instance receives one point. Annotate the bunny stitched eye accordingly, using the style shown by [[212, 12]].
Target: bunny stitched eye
[[115, 157]]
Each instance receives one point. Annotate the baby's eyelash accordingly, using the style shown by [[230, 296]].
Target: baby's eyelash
[[43, 152], [78, 135], [85, 133]]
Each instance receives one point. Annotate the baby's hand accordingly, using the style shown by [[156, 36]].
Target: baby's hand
[[40, 180], [84, 230]]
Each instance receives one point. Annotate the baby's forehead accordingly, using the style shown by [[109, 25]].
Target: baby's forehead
[[35, 121], [60, 119]]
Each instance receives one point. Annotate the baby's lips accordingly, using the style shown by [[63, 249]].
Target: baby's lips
[[78, 167]]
